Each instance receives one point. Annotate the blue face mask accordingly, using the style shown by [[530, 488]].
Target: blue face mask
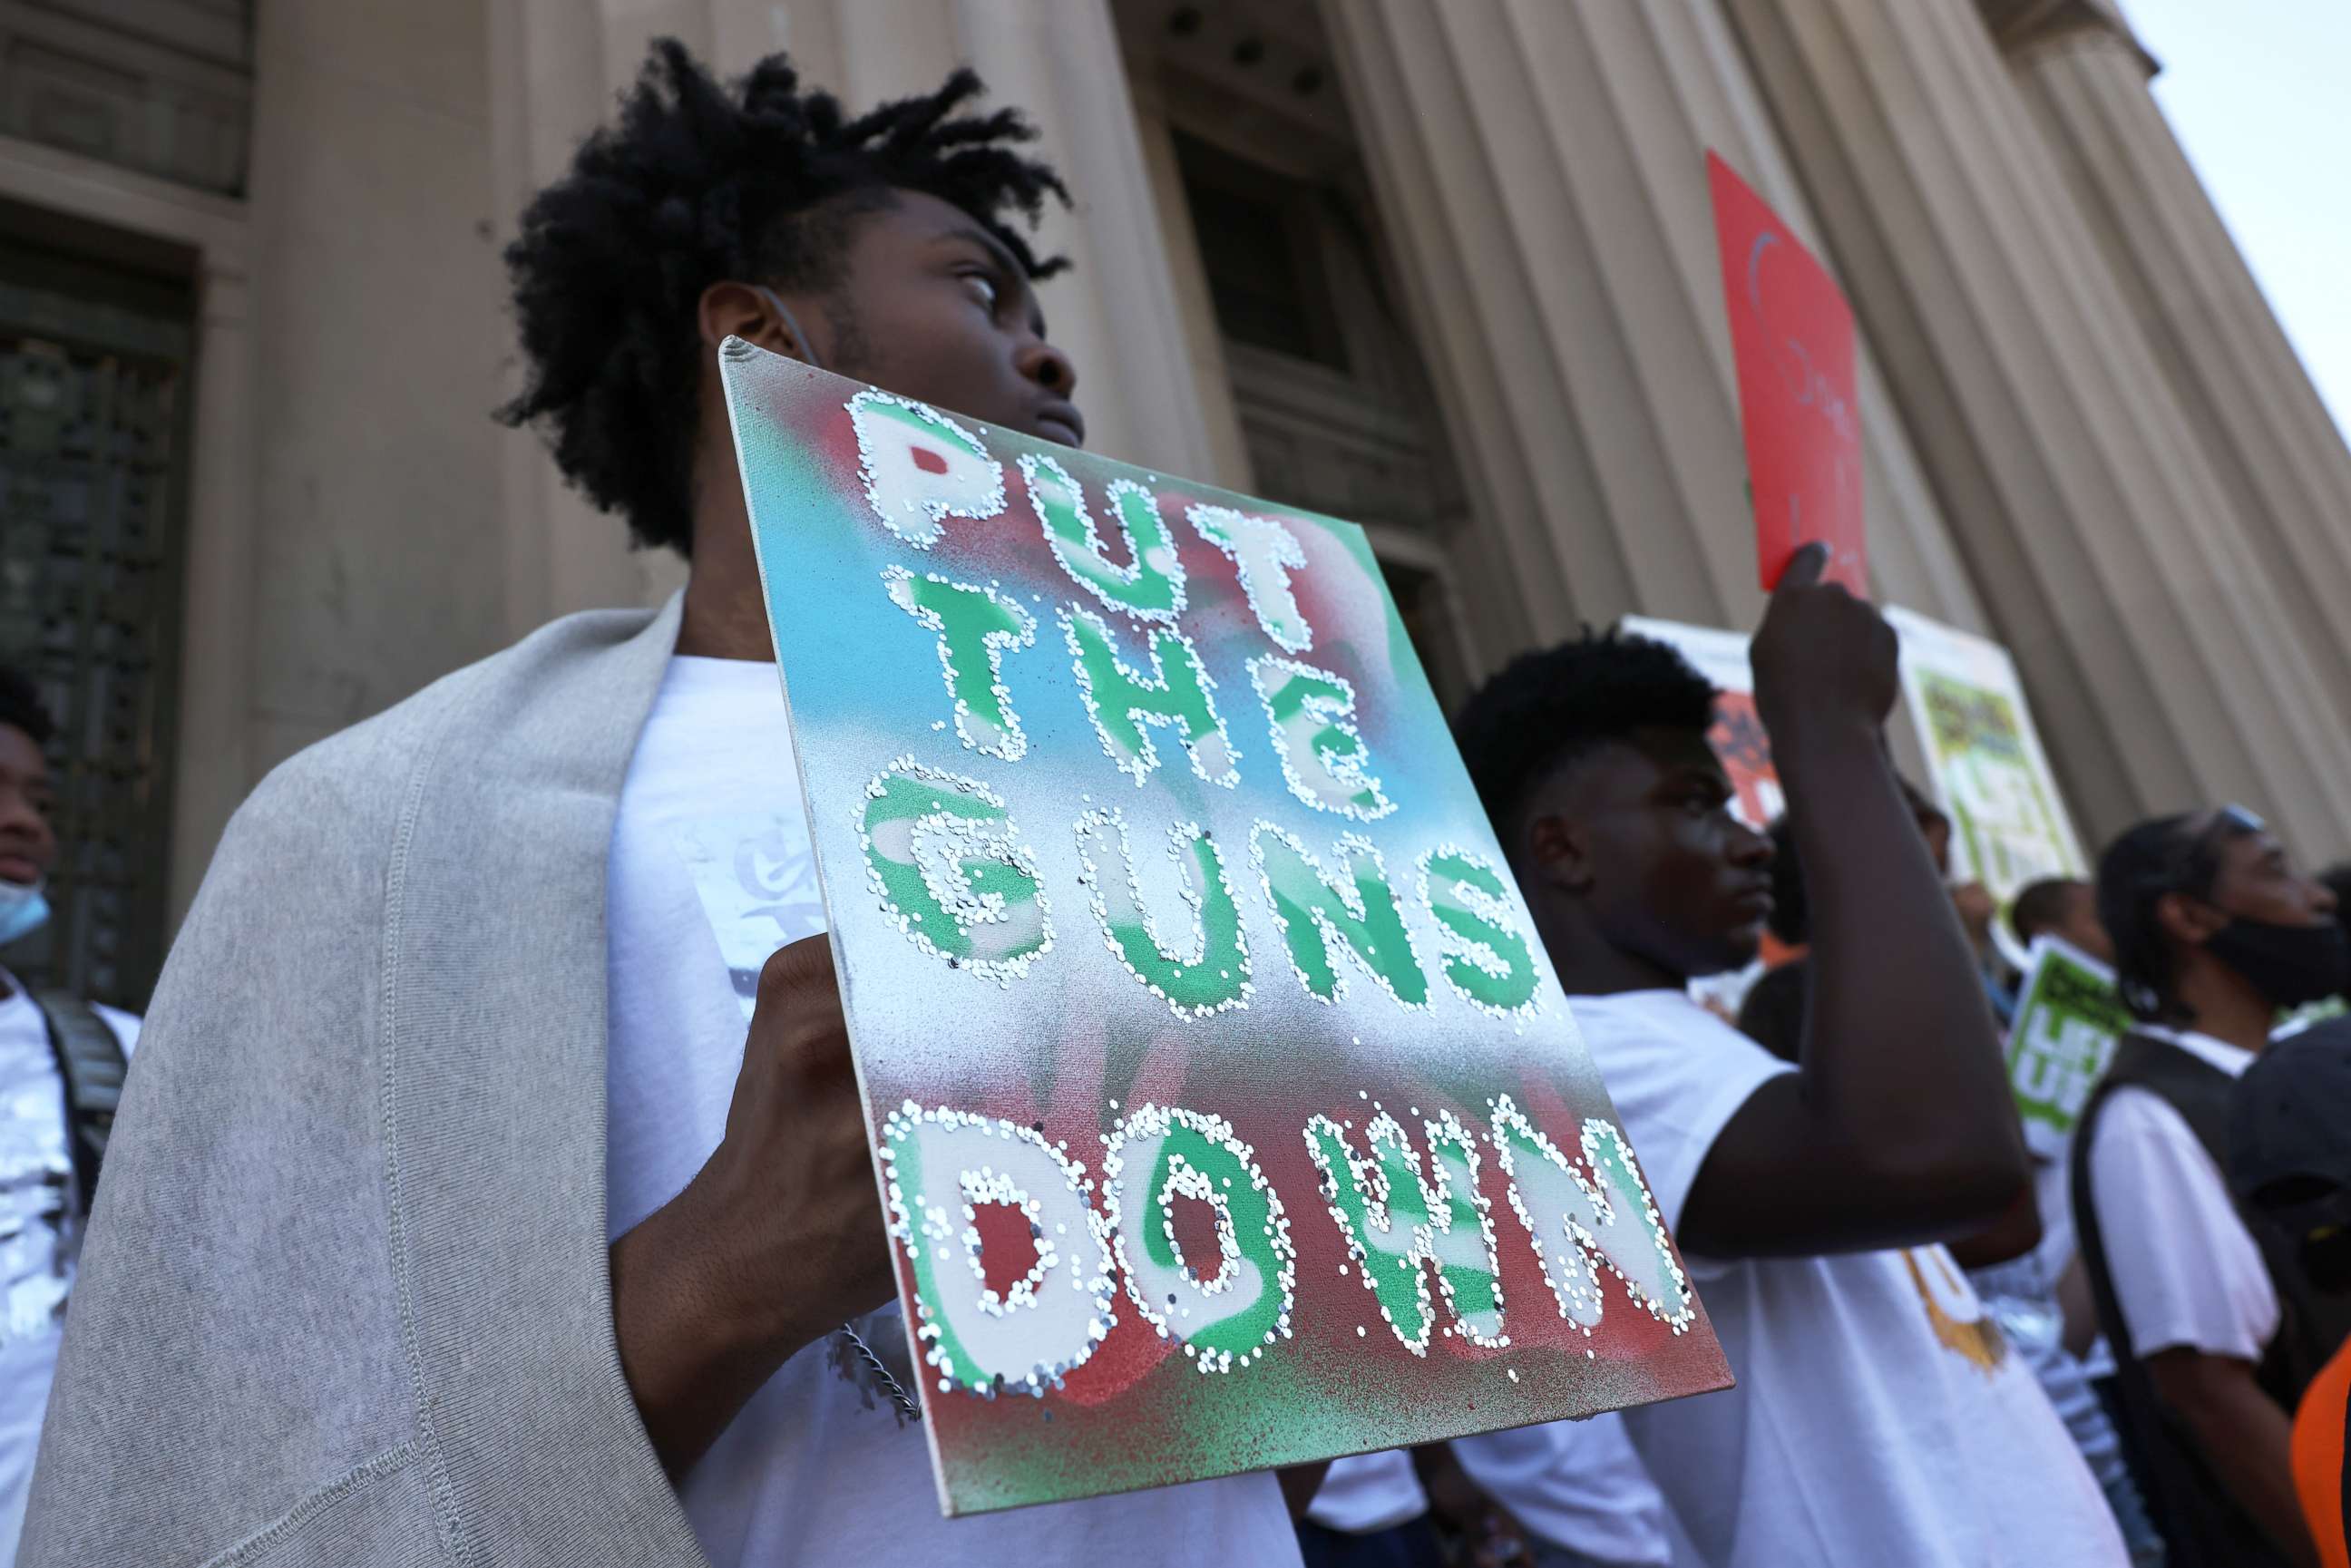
[[22, 911]]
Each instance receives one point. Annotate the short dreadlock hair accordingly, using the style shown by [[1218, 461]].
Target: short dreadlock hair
[[2134, 873], [1548, 709], [21, 707], [697, 183]]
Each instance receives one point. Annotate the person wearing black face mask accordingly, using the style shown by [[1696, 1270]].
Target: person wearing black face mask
[[2214, 1335]]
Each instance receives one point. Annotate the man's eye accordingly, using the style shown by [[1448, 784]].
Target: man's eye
[[983, 288]]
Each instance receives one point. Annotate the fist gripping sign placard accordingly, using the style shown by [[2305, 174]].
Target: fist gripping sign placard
[[1226, 1112]]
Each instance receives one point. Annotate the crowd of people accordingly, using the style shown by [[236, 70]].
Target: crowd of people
[[456, 1214]]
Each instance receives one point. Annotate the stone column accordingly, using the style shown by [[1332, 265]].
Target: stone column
[[1542, 166], [378, 332], [1229, 462], [2112, 558], [2268, 439], [213, 767], [555, 68]]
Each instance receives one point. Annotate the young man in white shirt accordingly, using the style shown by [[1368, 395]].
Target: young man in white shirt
[[739, 1306], [2215, 932], [1879, 1417], [48, 1144]]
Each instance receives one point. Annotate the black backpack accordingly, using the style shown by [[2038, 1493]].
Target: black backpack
[[91, 1063]]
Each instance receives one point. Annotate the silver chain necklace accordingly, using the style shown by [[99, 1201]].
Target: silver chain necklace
[[907, 1403]]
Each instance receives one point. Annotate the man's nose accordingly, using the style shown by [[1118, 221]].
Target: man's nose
[[1049, 368]]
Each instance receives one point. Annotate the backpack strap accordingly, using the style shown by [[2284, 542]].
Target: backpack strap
[[2203, 1525], [91, 1061]]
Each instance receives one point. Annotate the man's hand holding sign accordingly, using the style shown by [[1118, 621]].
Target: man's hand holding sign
[[1227, 1113], [775, 1242]]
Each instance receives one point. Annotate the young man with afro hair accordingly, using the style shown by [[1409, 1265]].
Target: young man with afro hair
[[468, 1205], [1879, 1417]]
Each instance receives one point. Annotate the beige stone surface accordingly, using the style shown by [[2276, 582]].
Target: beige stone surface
[[376, 547], [2255, 412], [2109, 554], [2085, 433], [1543, 167]]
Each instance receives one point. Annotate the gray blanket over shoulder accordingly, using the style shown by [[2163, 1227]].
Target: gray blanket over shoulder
[[345, 1297]]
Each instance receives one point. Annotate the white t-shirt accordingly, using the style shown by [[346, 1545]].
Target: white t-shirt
[[2186, 1270], [1367, 1492], [710, 872], [39, 1238], [1880, 1417], [1577, 1484]]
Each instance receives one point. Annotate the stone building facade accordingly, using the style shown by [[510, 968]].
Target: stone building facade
[[1445, 266]]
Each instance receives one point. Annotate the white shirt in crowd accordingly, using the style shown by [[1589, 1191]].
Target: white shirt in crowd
[[1367, 1492], [1879, 1417], [1576, 1484], [710, 872], [38, 1236], [2186, 1270]]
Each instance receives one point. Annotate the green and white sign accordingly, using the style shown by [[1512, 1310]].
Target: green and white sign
[[2009, 824], [2067, 1021]]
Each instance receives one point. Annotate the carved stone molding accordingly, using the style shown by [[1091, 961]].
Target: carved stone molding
[[2025, 27], [163, 87]]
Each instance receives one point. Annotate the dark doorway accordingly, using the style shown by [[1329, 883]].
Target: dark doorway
[[97, 333]]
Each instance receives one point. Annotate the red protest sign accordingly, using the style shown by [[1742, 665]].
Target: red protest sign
[[1791, 334]]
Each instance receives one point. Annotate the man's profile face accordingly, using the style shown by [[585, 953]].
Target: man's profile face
[[938, 310], [27, 845], [1666, 871], [2253, 879]]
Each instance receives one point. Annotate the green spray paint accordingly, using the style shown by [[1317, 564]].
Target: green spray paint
[[1395, 1219], [1314, 911], [944, 856], [1153, 587], [1485, 960], [1215, 974], [975, 628], [1123, 702]]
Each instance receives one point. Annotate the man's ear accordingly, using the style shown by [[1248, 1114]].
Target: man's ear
[[1557, 852], [2189, 921], [739, 310]]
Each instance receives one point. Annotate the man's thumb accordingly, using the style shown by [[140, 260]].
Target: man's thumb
[[1804, 568]]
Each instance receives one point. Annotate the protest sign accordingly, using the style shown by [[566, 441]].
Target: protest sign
[[2008, 826], [1225, 1110], [1738, 735], [2068, 1018], [1791, 336]]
